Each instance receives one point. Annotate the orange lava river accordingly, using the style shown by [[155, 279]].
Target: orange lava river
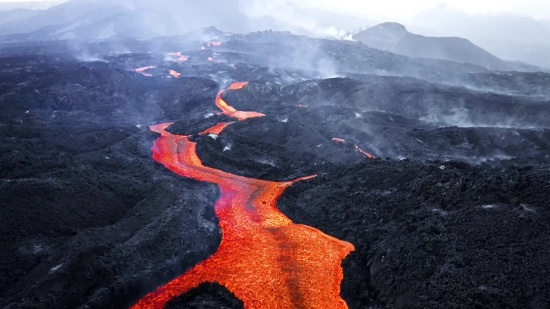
[[264, 258]]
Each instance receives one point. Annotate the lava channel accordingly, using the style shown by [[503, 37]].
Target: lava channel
[[175, 73], [139, 70], [341, 140], [364, 152], [264, 258], [230, 110]]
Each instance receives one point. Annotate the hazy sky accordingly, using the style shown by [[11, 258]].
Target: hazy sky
[[404, 9], [401, 10]]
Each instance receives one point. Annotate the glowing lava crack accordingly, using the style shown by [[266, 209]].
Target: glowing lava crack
[[264, 258]]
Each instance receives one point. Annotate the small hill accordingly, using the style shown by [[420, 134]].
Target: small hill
[[395, 38]]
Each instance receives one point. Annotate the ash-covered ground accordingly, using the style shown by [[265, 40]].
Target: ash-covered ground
[[452, 213]]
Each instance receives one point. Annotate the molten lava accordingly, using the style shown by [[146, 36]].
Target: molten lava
[[237, 85], [211, 44], [341, 140], [180, 56], [138, 70], [264, 258], [174, 73], [364, 152], [217, 129], [230, 110]]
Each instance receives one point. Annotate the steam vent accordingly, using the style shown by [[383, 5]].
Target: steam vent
[[175, 154]]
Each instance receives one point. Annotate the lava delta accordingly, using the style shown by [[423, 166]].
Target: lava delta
[[268, 170]]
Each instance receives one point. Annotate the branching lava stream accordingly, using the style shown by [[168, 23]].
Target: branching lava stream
[[264, 258]]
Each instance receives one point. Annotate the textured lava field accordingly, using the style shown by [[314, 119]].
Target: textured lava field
[[454, 212]]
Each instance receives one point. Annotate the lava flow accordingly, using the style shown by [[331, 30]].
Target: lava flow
[[364, 152], [211, 44], [230, 110], [174, 73], [264, 258], [341, 140], [181, 57], [139, 70]]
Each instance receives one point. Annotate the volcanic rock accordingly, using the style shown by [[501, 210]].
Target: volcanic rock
[[275, 149], [434, 235], [456, 216], [191, 126], [206, 296]]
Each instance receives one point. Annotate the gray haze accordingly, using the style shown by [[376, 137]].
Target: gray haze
[[144, 18], [508, 36], [491, 25]]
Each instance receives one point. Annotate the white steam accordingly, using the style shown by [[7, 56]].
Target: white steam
[[282, 15]]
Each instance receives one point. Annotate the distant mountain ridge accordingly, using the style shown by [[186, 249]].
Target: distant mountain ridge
[[92, 19], [395, 38], [508, 36], [17, 14], [100, 19], [29, 5]]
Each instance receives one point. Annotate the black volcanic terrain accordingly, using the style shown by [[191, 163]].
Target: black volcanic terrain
[[452, 212]]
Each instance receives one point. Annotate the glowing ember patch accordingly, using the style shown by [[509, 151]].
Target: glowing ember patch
[[237, 85], [138, 70], [364, 152], [245, 115], [264, 258], [341, 140], [175, 73], [233, 66], [180, 56], [210, 59], [215, 43]]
